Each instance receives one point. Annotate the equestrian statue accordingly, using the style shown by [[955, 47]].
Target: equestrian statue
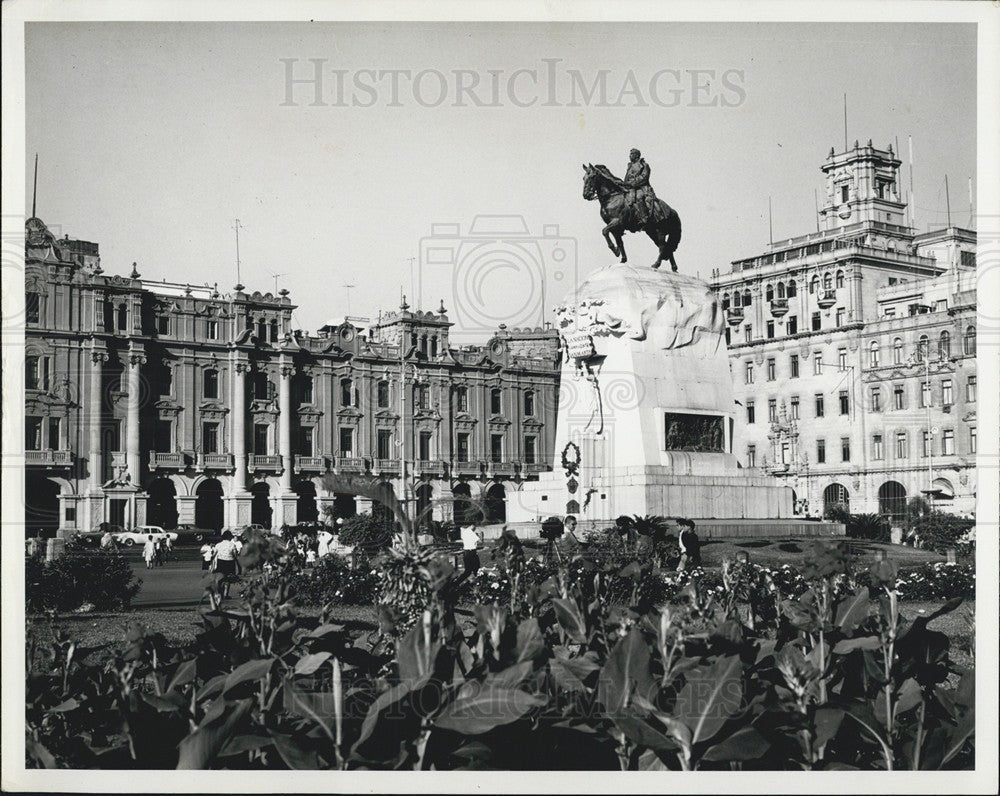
[[630, 205]]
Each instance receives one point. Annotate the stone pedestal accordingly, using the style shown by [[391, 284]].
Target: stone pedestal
[[185, 509], [284, 510], [647, 420], [238, 509]]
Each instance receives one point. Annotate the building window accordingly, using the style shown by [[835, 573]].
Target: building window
[[819, 404], [970, 389], [306, 436], [751, 455], [794, 408], [32, 433], [842, 359], [925, 444], [383, 444], [878, 453], [791, 289], [210, 437], [925, 394], [770, 370], [845, 449], [897, 352], [897, 396], [901, 445], [262, 387], [213, 330], [261, 443], [424, 446], [944, 345], [346, 392], [923, 348], [947, 394], [32, 302], [972, 439], [347, 442], [817, 363], [749, 372], [729, 337], [462, 400], [793, 364], [785, 453], [816, 322], [307, 389], [841, 314], [969, 342], [164, 436], [845, 403], [769, 293], [873, 354], [827, 282], [876, 399], [529, 403], [750, 412], [163, 324], [821, 451], [840, 278], [382, 394], [769, 326], [772, 410], [274, 331], [462, 454], [814, 284], [210, 384], [496, 448], [792, 325], [422, 396], [948, 442], [530, 451], [748, 333], [496, 401], [122, 318], [844, 195], [36, 373]]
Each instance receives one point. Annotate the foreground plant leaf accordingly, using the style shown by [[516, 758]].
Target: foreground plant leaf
[[481, 709], [198, 750], [710, 696]]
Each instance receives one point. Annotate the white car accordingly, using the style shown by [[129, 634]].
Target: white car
[[140, 534]]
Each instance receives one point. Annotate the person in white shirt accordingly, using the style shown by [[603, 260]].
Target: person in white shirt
[[207, 551], [149, 552], [324, 538], [472, 538], [226, 552]]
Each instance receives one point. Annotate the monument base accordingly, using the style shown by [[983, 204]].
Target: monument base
[[652, 490]]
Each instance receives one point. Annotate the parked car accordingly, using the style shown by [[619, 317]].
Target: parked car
[[141, 533], [192, 534]]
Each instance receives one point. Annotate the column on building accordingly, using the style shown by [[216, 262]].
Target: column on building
[[285, 503], [240, 499], [133, 463], [95, 461]]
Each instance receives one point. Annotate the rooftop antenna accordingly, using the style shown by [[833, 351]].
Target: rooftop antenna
[[770, 227], [239, 282], [845, 122], [413, 286], [816, 208], [34, 189], [276, 280], [913, 199], [947, 200], [348, 288]]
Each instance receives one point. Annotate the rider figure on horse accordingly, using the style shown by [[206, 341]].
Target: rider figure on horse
[[640, 196]]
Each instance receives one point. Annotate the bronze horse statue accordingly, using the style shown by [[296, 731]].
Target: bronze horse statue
[[621, 216]]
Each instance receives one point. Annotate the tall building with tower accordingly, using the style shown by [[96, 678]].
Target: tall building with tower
[[853, 350]]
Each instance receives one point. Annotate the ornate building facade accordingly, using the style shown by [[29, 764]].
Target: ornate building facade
[[157, 403], [853, 351]]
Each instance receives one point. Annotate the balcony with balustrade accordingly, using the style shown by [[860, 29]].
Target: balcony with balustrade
[[264, 463], [827, 299], [310, 464], [48, 458], [467, 467], [347, 462], [501, 469], [779, 307], [386, 466], [734, 316], [214, 461], [172, 460], [433, 468]]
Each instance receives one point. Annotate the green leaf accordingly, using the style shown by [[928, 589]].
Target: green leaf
[[512, 676], [961, 733], [642, 733], [827, 721], [325, 630], [183, 674], [296, 756], [847, 645], [247, 672], [569, 618], [212, 687], [414, 657], [167, 703], [200, 748], [390, 701], [907, 697], [244, 743], [744, 744], [626, 672], [308, 664], [480, 709], [711, 695], [65, 707], [852, 611], [530, 644], [650, 761], [40, 753]]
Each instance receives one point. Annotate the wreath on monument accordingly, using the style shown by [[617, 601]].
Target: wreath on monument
[[571, 459]]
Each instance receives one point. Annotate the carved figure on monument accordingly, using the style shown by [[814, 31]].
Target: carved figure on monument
[[630, 205]]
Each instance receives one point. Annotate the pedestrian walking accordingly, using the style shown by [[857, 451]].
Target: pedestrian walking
[[323, 538], [149, 552], [207, 552], [226, 552], [471, 538]]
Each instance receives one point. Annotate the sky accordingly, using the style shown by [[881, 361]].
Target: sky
[[153, 138]]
